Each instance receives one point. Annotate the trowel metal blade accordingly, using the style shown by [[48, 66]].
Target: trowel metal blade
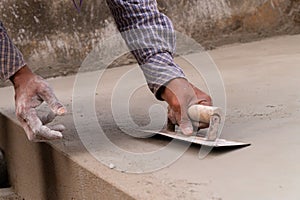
[[200, 140]]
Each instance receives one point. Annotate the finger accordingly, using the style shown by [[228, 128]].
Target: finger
[[171, 116], [36, 130], [43, 138], [184, 121], [57, 127], [45, 134], [47, 118], [203, 98], [49, 134], [36, 137], [46, 93], [203, 125], [200, 125], [180, 117], [27, 129], [186, 127], [204, 102], [31, 118]]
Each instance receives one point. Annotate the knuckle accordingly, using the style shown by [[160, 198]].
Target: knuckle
[[208, 99], [34, 131], [175, 105], [43, 86]]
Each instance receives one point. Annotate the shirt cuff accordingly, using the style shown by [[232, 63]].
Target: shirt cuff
[[159, 70]]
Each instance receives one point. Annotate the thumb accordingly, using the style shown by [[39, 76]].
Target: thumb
[[186, 127], [184, 122]]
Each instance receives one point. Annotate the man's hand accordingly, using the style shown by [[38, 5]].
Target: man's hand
[[30, 91], [180, 95]]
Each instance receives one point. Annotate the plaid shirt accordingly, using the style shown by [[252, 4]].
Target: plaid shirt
[[151, 38], [148, 33], [11, 59]]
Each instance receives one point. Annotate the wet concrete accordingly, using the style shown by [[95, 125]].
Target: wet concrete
[[261, 81]]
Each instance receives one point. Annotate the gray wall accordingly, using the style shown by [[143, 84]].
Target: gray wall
[[55, 38]]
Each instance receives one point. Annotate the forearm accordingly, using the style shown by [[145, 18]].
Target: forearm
[[150, 36], [11, 59]]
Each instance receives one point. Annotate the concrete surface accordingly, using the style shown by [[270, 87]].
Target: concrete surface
[[55, 38], [261, 81]]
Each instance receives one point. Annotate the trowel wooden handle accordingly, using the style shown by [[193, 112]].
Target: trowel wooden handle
[[202, 113]]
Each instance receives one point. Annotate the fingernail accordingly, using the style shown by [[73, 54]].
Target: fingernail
[[58, 127], [58, 135], [187, 131], [61, 111]]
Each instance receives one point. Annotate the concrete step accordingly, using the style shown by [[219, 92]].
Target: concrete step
[[41, 171]]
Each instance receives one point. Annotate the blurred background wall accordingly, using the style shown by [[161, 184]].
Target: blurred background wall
[[55, 38]]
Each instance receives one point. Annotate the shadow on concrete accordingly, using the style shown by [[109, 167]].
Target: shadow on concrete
[[21, 153], [4, 183], [216, 151]]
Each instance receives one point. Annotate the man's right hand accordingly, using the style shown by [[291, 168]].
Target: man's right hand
[[30, 91], [180, 94]]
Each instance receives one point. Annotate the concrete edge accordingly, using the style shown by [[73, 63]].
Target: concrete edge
[[39, 171]]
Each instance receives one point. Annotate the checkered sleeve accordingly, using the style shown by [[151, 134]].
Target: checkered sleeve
[[11, 59], [150, 36]]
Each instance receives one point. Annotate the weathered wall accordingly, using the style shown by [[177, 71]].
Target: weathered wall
[[218, 22], [55, 38], [53, 35]]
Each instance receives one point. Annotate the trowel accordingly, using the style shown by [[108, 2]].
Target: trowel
[[206, 115]]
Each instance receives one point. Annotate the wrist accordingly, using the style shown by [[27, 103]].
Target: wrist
[[21, 76]]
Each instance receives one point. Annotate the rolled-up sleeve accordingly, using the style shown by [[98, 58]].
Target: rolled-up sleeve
[[11, 59], [151, 38]]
